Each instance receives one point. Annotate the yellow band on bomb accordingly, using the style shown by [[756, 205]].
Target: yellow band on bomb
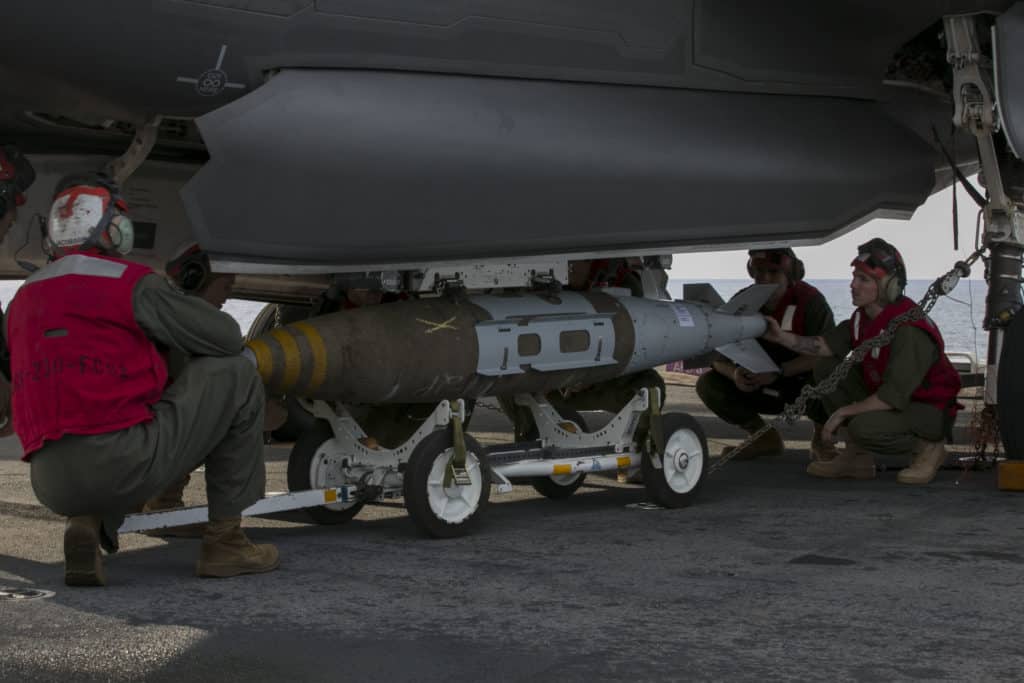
[[292, 357], [316, 345], [264, 360]]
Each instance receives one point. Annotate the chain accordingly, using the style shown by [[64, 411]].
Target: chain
[[985, 430], [795, 410], [480, 405]]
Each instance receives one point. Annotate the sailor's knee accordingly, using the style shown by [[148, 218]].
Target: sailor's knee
[[863, 430], [710, 385]]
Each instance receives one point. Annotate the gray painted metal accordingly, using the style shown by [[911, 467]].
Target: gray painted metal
[[668, 331], [499, 353], [747, 151], [1009, 32], [126, 60], [515, 307], [399, 166]]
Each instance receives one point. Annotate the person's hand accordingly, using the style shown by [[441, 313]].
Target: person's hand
[[744, 380], [772, 332], [763, 379], [835, 421]]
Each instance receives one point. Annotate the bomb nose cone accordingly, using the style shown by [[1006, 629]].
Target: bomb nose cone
[[292, 359]]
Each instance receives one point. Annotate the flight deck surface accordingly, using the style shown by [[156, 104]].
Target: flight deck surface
[[771, 575]]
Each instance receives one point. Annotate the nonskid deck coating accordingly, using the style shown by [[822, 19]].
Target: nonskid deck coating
[[772, 575]]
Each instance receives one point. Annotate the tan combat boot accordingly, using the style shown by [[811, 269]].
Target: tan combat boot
[[769, 444], [852, 462], [83, 565], [928, 458], [226, 551], [820, 448], [172, 499]]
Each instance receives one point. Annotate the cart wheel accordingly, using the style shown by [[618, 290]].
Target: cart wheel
[[1010, 389], [313, 466], [437, 510], [683, 463], [558, 486]]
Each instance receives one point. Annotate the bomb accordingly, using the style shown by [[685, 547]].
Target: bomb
[[432, 349]]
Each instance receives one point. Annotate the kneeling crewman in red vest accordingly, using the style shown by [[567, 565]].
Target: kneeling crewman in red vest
[[901, 399], [740, 397], [98, 422]]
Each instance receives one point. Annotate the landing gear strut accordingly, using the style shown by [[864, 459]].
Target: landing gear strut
[[977, 112]]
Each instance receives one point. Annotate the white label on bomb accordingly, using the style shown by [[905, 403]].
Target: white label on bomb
[[683, 316]]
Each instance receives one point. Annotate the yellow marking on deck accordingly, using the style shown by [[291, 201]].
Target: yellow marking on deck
[[562, 469], [264, 360], [292, 357], [434, 327], [316, 344], [623, 461], [330, 496]]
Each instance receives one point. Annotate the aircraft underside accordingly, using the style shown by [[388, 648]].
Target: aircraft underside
[[332, 135]]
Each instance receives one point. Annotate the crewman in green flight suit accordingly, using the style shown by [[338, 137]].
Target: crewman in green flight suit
[[901, 399]]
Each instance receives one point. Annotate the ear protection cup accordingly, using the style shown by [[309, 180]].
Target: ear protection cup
[[798, 270], [119, 235], [191, 270], [192, 277], [889, 289], [886, 257]]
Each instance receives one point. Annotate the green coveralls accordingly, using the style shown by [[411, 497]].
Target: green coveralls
[[211, 413], [884, 432], [722, 397]]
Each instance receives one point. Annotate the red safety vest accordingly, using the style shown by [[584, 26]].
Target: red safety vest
[[791, 311], [80, 364], [942, 383]]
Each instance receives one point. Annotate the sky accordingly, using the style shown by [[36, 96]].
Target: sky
[[925, 241]]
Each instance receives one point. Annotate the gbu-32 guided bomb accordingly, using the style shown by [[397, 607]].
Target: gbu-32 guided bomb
[[433, 349]]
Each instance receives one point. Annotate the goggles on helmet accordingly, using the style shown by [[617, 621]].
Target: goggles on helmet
[[876, 263]]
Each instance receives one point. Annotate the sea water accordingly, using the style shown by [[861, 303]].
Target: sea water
[[958, 316]]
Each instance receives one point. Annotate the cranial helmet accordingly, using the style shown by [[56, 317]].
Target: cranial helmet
[[16, 175], [883, 262], [779, 259], [88, 213]]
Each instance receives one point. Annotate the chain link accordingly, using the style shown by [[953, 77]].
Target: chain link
[[795, 410], [984, 429]]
